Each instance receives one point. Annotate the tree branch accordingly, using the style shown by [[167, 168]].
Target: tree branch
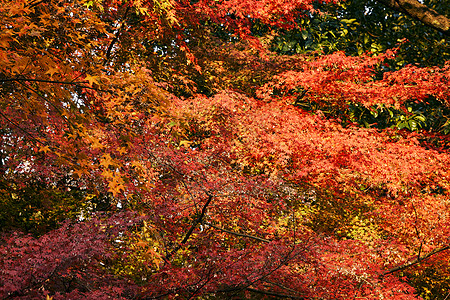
[[191, 229], [238, 234], [42, 80], [420, 12], [23, 130], [282, 286], [116, 37], [415, 261], [278, 295], [76, 83]]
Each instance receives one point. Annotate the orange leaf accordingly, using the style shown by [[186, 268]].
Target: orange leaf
[[91, 79]]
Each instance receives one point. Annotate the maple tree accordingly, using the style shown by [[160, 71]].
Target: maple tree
[[160, 149]]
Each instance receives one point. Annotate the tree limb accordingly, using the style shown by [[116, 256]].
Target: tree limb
[[23, 130], [282, 286], [116, 37], [197, 221], [420, 12], [278, 295], [415, 261], [76, 83], [238, 234], [42, 80]]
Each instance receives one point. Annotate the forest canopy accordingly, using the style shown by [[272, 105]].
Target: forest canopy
[[223, 149]]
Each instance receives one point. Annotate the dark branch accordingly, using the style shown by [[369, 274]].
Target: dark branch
[[282, 286], [76, 83], [42, 80], [197, 221], [23, 130], [238, 234], [36, 3], [420, 12], [116, 37], [278, 295], [415, 261]]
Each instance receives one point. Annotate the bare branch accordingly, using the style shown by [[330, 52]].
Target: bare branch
[[415, 261], [23, 130], [41, 80], [191, 229], [282, 286], [273, 294], [420, 12], [76, 83], [238, 234], [116, 37]]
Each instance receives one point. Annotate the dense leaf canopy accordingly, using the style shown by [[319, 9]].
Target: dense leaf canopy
[[155, 149]]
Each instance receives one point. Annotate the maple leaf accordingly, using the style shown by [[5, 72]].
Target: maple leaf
[[45, 149], [106, 160], [52, 70], [35, 33], [96, 143], [80, 172], [122, 150], [116, 185], [108, 174], [91, 79], [186, 143]]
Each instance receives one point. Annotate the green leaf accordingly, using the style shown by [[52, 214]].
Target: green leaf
[[366, 38], [305, 34]]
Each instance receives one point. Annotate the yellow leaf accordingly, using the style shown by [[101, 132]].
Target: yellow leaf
[[44, 148], [90, 196], [143, 10], [122, 150], [107, 174], [91, 79], [106, 160], [186, 143]]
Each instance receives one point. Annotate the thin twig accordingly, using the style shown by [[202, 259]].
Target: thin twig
[[76, 83], [70, 124], [273, 294], [417, 231], [237, 234], [23, 130], [446, 297], [283, 262], [53, 149], [282, 286], [41, 80]]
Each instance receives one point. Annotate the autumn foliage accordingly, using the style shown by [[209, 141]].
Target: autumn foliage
[[158, 149]]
